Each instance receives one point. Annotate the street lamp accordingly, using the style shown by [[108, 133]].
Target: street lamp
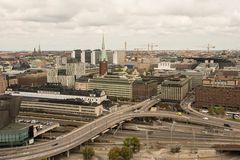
[[172, 130]]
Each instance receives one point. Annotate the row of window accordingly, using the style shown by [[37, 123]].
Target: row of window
[[4, 137]]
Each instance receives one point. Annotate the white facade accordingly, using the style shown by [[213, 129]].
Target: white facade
[[57, 95], [83, 56], [93, 58], [73, 70], [115, 57], [166, 66], [73, 54]]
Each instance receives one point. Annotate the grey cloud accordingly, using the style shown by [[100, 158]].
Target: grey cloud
[[133, 20]]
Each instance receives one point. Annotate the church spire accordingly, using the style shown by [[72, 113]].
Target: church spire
[[103, 55], [103, 64], [39, 49], [103, 43]]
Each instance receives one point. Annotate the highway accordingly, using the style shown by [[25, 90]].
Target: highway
[[72, 139], [90, 130], [186, 106]]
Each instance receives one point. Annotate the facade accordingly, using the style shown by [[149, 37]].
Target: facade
[[57, 91], [175, 89], [95, 56], [11, 80], [197, 77], [9, 108], [119, 57], [113, 85], [88, 56], [103, 69], [32, 79], [208, 67], [15, 134], [81, 83], [207, 96], [71, 107], [219, 90], [12, 133], [166, 66], [77, 54], [66, 74], [3, 83], [144, 89]]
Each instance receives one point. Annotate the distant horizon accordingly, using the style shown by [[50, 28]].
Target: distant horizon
[[123, 50]]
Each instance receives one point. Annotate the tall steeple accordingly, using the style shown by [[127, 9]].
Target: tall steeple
[[39, 49], [103, 55], [103, 64], [103, 43]]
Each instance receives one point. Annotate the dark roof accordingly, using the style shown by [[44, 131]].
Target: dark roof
[[57, 87]]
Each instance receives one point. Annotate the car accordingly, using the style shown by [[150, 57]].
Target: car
[[226, 125], [205, 118], [204, 111], [179, 113]]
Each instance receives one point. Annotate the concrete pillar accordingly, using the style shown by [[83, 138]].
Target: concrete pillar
[[76, 149], [50, 158], [68, 153]]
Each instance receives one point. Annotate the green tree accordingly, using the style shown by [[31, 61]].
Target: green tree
[[211, 110], [132, 143], [221, 110], [126, 153], [88, 153], [114, 153]]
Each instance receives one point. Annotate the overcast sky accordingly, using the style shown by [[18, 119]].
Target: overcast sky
[[71, 24]]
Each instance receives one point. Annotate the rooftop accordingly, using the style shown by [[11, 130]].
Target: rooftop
[[13, 127]]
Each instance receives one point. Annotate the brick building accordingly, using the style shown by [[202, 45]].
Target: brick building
[[218, 96], [33, 79], [219, 91], [143, 89]]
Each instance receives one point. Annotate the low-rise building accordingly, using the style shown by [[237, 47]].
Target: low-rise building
[[81, 83], [57, 91], [33, 78]]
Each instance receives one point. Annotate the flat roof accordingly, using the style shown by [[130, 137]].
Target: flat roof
[[12, 127]]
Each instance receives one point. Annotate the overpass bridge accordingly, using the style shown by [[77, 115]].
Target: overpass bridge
[[72, 139], [91, 130]]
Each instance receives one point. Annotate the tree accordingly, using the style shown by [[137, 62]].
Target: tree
[[126, 153], [211, 110], [88, 153], [114, 153], [133, 143], [220, 110], [175, 149]]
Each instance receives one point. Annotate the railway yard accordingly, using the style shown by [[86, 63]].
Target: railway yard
[[156, 134]]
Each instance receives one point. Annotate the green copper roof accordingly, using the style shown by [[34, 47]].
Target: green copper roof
[[103, 55]]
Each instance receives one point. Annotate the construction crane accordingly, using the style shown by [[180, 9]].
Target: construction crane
[[209, 47]]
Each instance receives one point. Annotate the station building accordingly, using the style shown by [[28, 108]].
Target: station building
[[11, 133]]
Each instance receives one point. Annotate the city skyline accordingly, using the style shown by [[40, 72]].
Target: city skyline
[[67, 25]]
